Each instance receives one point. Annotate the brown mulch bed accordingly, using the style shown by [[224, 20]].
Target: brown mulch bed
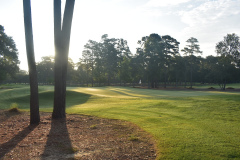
[[77, 137]]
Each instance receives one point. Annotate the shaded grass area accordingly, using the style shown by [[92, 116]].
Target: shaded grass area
[[216, 86], [185, 124], [21, 97]]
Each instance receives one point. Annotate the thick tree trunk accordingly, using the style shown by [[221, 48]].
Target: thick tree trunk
[[34, 102], [62, 40], [58, 111]]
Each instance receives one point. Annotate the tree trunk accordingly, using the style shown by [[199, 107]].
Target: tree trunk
[[108, 80], [191, 76], [34, 102], [61, 39], [87, 77], [176, 85], [185, 76], [58, 110], [92, 74], [165, 78], [152, 84]]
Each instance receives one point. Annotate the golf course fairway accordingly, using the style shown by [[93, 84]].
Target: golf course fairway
[[186, 124]]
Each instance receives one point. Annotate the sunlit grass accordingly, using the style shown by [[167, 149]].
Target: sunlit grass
[[185, 124]]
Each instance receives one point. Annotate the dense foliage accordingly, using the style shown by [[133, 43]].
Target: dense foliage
[[157, 63], [8, 56]]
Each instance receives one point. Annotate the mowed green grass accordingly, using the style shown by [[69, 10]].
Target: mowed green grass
[[185, 124]]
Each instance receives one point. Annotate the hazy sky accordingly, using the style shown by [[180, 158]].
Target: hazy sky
[[207, 20]]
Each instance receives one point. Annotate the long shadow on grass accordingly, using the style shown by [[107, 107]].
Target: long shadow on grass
[[58, 144], [76, 98], [46, 99], [8, 146]]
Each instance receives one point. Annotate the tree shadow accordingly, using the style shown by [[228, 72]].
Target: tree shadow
[[5, 115], [8, 146], [58, 143], [46, 98], [76, 98]]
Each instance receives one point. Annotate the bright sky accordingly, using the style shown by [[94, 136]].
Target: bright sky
[[207, 20]]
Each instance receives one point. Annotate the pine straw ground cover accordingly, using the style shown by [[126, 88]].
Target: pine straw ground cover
[[77, 137]]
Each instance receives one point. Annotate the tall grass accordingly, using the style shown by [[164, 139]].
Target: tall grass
[[185, 124]]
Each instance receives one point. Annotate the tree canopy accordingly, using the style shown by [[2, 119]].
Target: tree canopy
[[102, 61], [190, 50], [230, 45], [229, 60], [8, 56], [155, 52]]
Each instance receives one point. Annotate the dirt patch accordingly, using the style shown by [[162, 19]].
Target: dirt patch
[[77, 137]]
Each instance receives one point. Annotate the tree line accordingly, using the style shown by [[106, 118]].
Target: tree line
[[156, 63]]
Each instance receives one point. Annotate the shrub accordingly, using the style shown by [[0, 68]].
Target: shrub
[[14, 108], [211, 88], [133, 138], [72, 150], [93, 127]]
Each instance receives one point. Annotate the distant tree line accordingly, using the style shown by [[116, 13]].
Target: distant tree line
[[156, 63]]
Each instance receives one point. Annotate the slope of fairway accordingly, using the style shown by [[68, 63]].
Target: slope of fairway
[[186, 124]]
